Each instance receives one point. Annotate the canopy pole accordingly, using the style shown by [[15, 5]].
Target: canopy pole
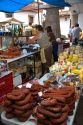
[[38, 13]]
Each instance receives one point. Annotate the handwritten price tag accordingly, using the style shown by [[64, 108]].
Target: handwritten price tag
[[40, 93], [28, 85]]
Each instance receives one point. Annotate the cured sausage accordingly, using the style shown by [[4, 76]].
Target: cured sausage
[[26, 114], [40, 116], [45, 122], [25, 101], [9, 115], [15, 96], [46, 112], [22, 119], [40, 123], [64, 123], [24, 107], [65, 108], [54, 109], [60, 99], [60, 120], [49, 102], [7, 102], [8, 109], [18, 112], [25, 90]]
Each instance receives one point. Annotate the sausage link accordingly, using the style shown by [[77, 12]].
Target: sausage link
[[60, 120], [45, 122], [64, 123], [26, 114], [7, 102], [54, 109], [8, 109], [24, 107], [65, 108], [18, 112], [9, 115], [60, 99], [25, 101], [22, 119], [40, 116], [38, 123], [15, 96], [46, 112], [25, 90], [49, 102]]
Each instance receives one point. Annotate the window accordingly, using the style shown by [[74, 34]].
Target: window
[[65, 18], [31, 18], [9, 15]]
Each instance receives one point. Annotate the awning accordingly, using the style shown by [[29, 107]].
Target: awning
[[13, 5], [58, 3], [12, 21]]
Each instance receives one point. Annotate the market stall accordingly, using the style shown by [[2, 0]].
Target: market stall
[[55, 96]]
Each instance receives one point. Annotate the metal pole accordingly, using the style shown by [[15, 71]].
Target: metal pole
[[38, 13]]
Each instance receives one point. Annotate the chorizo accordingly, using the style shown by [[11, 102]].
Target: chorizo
[[60, 120], [64, 123], [40, 116], [8, 109], [45, 122], [7, 102], [40, 123], [15, 96], [25, 90], [22, 119], [65, 108], [26, 114], [49, 102], [25, 101], [18, 112], [9, 115], [54, 109], [21, 90], [24, 107], [60, 99], [46, 112]]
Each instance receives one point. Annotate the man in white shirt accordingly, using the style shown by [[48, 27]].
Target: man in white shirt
[[76, 33]]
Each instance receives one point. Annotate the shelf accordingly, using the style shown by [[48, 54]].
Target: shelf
[[21, 56]]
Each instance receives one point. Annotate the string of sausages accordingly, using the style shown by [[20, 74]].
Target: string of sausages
[[18, 104], [68, 93], [52, 112], [54, 108]]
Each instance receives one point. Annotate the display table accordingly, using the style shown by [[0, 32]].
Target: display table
[[14, 121]]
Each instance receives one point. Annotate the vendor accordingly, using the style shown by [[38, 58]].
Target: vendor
[[46, 50], [52, 39]]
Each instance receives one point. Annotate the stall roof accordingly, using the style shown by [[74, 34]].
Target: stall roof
[[12, 20]]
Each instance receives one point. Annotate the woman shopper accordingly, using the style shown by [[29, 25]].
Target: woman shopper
[[46, 51], [52, 39]]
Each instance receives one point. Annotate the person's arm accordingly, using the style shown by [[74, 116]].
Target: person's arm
[[32, 40]]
